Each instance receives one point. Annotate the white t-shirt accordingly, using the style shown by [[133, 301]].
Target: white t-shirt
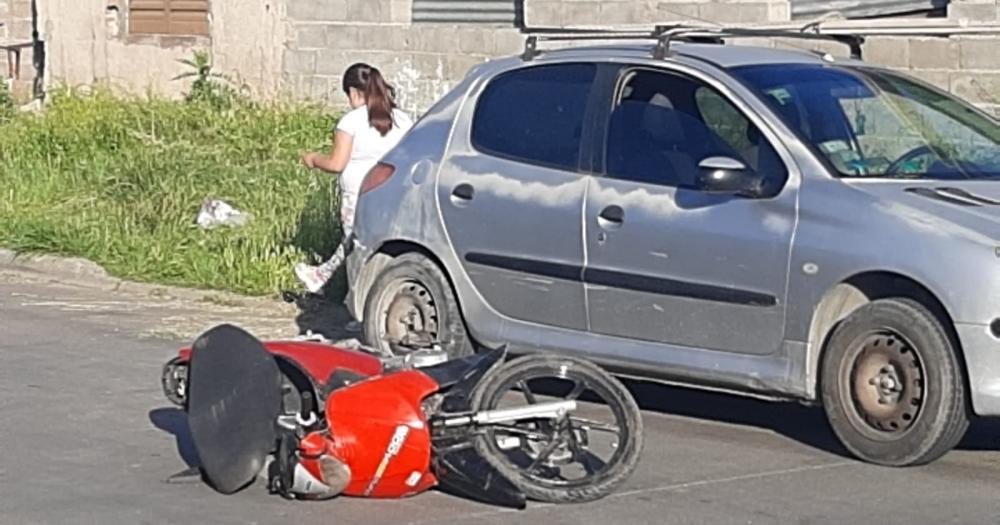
[[369, 145]]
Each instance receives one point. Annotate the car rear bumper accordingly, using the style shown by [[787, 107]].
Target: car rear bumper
[[982, 361]]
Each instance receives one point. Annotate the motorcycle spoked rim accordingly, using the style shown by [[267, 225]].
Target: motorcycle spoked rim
[[607, 396]]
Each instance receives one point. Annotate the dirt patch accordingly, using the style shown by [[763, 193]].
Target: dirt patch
[[179, 314]]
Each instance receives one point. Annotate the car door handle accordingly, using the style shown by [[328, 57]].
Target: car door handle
[[463, 192], [611, 217]]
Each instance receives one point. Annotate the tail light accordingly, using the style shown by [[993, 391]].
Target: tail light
[[378, 176]]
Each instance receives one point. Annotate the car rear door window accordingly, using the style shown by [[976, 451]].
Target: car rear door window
[[535, 115]]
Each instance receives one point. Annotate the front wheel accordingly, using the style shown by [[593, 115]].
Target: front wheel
[[582, 456], [892, 385]]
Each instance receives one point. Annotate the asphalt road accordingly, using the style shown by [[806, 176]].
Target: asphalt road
[[86, 438]]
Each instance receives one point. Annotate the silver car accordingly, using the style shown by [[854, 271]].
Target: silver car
[[775, 223]]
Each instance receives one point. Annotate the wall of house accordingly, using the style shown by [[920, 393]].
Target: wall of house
[[248, 38], [16, 17], [425, 60], [87, 41], [590, 12], [422, 61], [301, 47]]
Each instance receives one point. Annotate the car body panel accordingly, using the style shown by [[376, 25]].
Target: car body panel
[[677, 271], [525, 266]]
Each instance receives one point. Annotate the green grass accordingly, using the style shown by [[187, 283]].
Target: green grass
[[120, 181]]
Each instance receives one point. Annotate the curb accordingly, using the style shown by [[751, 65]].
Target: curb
[[73, 270], [85, 273]]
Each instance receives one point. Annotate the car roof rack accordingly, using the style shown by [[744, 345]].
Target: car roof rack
[[664, 35]]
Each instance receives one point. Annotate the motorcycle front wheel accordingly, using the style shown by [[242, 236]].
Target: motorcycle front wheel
[[581, 456]]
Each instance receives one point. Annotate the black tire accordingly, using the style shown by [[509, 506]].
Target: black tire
[[415, 278], [616, 470], [892, 385]]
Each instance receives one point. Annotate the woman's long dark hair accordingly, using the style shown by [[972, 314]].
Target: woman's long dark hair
[[378, 94]]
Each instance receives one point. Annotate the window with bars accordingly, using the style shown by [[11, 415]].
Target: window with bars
[[488, 12], [168, 17]]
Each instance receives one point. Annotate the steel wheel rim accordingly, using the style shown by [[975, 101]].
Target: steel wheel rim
[[886, 380], [406, 308]]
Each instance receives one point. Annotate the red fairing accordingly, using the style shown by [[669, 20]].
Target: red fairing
[[317, 359], [311, 448], [379, 429]]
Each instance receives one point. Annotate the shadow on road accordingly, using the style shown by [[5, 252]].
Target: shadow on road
[[984, 434], [324, 313], [174, 422], [805, 424]]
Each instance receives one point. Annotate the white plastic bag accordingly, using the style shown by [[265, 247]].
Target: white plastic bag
[[215, 212]]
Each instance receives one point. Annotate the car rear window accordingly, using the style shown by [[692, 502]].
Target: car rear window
[[535, 115]]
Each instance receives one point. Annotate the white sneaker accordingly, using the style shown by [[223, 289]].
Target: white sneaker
[[310, 276]]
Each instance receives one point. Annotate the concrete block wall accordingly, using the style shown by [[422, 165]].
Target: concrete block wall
[[970, 66], [301, 47], [601, 12], [422, 61], [974, 10], [17, 19]]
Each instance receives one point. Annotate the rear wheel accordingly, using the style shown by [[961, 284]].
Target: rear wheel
[[582, 456], [411, 305], [174, 380], [893, 387]]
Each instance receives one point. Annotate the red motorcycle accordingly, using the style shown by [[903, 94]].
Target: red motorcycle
[[317, 421]]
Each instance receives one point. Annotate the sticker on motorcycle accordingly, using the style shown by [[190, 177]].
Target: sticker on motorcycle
[[414, 478], [395, 445]]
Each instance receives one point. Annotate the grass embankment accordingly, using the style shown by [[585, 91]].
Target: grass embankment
[[120, 181]]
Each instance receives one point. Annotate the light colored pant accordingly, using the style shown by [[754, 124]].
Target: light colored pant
[[348, 203]]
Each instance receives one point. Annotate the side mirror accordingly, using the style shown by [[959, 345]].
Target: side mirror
[[725, 175]]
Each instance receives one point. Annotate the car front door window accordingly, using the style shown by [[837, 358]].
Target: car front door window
[[664, 125]]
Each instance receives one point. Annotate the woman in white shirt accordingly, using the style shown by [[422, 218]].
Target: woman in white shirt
[[366, 133]]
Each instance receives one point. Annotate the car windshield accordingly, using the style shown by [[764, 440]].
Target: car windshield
[[873, 123]]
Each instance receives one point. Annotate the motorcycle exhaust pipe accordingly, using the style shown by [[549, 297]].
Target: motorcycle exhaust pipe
[[552, 410]]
